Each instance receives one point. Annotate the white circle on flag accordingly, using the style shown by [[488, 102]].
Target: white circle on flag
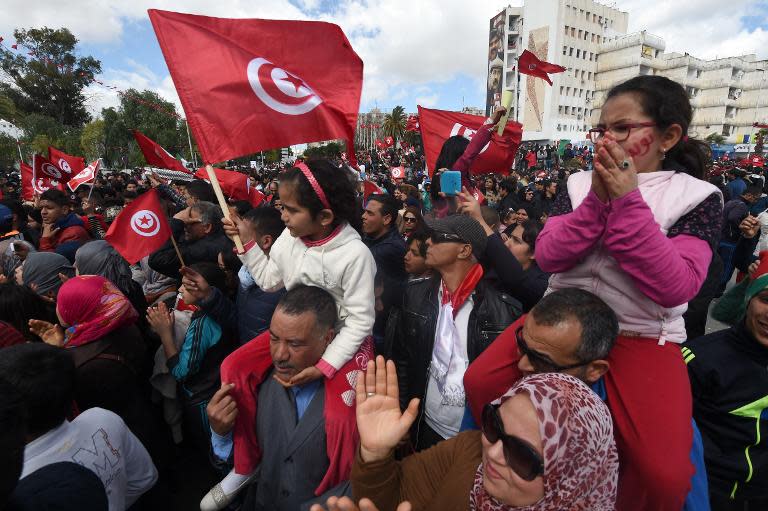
[[396, 173], [39, 185], [64, 165], [145, 223], [50, 170], [290, 86]]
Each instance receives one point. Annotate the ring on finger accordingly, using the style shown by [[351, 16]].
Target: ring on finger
[[625, 164], [370, 394]]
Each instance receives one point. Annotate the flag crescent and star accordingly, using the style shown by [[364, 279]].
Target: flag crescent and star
[[268, 81], [145, 223]]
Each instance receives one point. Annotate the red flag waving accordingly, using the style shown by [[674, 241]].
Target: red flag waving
[[370, 188], [87, 175], [156, 155], [439, 125], [32, 185], [70, 165], [235, 185], [46, 169], [759, 125], [530, 64], [140, 229], [389, 142], [412, 124], [252, 84]]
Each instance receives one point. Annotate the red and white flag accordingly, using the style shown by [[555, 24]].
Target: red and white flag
[[380, 144], [235, 185], [85, 176], [370, 188], [437, 126], [397, 173], [412, 124], [252, 84], [389, 142], [32, 185], [140, 229], [530, 64], [156, 155], [68, 164], [46, 174]]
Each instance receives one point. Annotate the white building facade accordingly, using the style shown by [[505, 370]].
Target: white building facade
[[564, 32], [728, 95]]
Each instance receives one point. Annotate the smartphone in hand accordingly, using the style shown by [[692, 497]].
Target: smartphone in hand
[[450, 182]]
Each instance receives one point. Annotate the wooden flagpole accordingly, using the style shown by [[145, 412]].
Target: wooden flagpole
[[222, 202], [178, 253]]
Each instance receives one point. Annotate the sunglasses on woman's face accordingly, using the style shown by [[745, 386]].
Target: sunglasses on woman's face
[[519, 454], [409, 219]]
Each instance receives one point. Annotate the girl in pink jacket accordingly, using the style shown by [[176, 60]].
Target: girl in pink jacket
[[638, 232]]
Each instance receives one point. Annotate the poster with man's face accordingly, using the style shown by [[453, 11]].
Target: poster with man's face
[[495, 61]]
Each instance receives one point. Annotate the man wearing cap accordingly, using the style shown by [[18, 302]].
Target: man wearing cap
[[729, 384], [446, 322]]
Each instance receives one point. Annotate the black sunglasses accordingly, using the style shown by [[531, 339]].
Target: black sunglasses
[[519, 454], [442, 237], [541, 362]]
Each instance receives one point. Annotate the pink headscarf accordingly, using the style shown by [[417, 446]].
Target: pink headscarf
[[581, 465], [92, 306]]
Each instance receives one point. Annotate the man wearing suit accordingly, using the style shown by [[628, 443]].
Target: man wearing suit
[[295, 470]]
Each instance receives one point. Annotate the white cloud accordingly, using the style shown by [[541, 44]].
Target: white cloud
[[428, 101], [704, 28]]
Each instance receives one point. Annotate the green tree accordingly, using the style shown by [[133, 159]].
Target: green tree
[[760, 140], [7, 109], [147, 112], [51, 80], [394, 123], [715, 138], [92, 139]]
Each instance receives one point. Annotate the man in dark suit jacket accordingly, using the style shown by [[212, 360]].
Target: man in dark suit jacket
[[290, 421]]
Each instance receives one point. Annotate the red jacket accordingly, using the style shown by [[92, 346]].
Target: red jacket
[[68, 239]]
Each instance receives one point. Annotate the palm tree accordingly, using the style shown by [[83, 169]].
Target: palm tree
[[394, 123], [715, 138]]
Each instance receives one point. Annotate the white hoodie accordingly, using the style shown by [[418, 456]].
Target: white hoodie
[[343, 266]]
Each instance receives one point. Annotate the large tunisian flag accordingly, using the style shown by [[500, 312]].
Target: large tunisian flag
[[71, 165], [439, 125], [251, 84], [33, 184], [140, 229]]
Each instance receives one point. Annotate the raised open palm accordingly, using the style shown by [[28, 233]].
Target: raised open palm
[[48, 332], [380, 422]]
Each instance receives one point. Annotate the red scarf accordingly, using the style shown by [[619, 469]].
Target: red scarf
[[340, 421], [465, 289]]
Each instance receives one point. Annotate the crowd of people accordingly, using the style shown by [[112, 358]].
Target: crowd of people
[[534, 342]]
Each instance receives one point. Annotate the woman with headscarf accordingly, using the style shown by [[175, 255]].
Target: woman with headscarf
[[546, 445], [40, 272], [98, 327], [100, 258]]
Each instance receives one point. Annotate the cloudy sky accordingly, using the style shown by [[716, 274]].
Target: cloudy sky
[[425, 52]]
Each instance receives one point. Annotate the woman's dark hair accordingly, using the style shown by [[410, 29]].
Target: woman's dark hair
[[415, 211], [667, 103], [19, 304], [451, 151], [232, 265], [495, 185], [337, 185], [531, 230], [212, 274]]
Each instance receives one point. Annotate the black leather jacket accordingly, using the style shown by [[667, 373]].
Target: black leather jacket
[[414, 336]]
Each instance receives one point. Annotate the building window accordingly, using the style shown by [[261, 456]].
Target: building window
[[594, 18], [567, 110], [570, 52], [565, 50], [578, 53], [567, 92], [561, 90], [566, 30], [580, 32], [588, 13], [586, 34], [573, 32], [560, 109]]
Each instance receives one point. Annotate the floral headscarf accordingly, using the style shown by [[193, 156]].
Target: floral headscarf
[[92, 306], [581, 465]]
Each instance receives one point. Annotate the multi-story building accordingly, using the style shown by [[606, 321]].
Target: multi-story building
[[564, 32], [727, 94]]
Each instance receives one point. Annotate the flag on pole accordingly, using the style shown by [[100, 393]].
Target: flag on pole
[[530, 64], [70, 165], [140, 229], [439, 125], [370, 188], [156, 155], [85, 176], [31, 184], [235, 185], [252, 84]]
